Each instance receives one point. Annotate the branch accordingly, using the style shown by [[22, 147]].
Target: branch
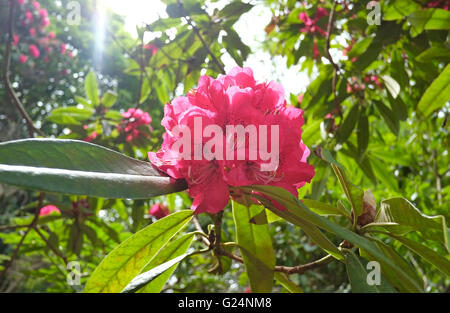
[[299, 269], [31, 226], [197, 33], [330, 58], [6, 65]]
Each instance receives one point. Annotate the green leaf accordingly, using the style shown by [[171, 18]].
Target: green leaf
[[324, 208], [433, 54], [256, 247], [91, 87], [284, 280], [399, 9], [109, 98], [83, 102], [363, 134], [403, 285], [358, 277], [297, 210], [80, 168], [295, 217], [440, 261], [143, 279], [437, 94], [70, 115], [145, 91], [235, 8], [353, 193], [399, 217], [120, 266], [392, 85], [388, 116], [172, 250], [429, 19], [348, 125]]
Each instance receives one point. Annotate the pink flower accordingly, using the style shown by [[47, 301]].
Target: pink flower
[[34, 51], [45, 22], [311, 25], [46, 59], [36, 5], [23, 58], [70, 54], [133, 119], [316, 52], [32, 32], [151, 47], [230, 100], [321, 12], [48, 209], [159, 210], [21, 2], [300, 98], [15, 40], [51, 35], [63, 48], [43, 13], [91, 137], [29, 16]]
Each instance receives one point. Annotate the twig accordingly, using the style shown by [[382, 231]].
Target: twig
[[6, 65], [197, 33], [299, 269], [31, 226], [199, 229], [55, 250], [330, 58]]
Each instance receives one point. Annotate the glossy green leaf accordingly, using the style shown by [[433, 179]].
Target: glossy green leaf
[[441, 262], [70, 115], [171, 251], [429, 19], [284, 280], [399, 216], [437, 94], [392, 85], [80, 168], [120, 266], [256, 247], [324, 208], [91, 87], [358, 276], [348, 125], [109, 98]]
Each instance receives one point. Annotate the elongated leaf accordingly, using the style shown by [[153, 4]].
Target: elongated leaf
[[296, 209], [403, 285], [91, 87], [172, 250], [80, 168], [143, 279], [437, 94], [428, 19], [354, 194], [392, 86], [300, 220], [70, 115], [399, 216], [388, 116], [256, 247], [440, 261], [324, 208], [287, 283], [109, 98], [363, 134], [126, 261], [349, 124], [358, 277]]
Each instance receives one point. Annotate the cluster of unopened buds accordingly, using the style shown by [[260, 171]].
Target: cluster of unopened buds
[[439, 4], [311, 27], [35, 19], [369, 79], [132, 121]]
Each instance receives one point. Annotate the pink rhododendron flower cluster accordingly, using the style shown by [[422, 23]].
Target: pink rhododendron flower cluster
[[230, 100], [311, 24], [48, 209], [441, 4], [133, 119], [159, 210]]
